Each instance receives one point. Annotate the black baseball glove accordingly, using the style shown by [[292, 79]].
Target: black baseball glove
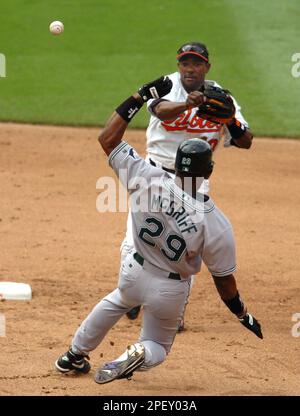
[[218, 106], [156, 89], [252, 324]]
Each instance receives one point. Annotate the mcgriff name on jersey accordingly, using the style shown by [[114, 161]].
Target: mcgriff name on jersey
[[180, 214]]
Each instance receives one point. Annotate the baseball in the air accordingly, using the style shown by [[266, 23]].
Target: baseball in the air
[[56, 27]]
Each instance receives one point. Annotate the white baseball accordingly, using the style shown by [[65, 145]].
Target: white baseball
[[56, 27]]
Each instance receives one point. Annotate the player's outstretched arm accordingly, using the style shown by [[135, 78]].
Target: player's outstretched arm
[[228, 292], [115, 127]]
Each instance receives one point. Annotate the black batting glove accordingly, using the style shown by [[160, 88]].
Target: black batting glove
[[252, 324], [156, 89]]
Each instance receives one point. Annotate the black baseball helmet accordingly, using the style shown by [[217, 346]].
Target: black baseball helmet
[[194, 158]]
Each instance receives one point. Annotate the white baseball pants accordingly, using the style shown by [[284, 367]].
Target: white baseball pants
[[163, 300]]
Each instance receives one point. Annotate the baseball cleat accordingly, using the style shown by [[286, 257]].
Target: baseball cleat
[[133, 313], [122, 369], [70, 361]]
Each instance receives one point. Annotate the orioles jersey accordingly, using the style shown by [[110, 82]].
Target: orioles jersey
[[171, 230], [164, 137]]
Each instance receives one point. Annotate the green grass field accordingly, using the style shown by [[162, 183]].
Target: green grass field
[[110, 47]]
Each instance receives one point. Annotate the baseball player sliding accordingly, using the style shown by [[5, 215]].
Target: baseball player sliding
[[176, 118], [173, 231]]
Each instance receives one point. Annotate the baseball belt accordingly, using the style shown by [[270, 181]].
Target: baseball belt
[[166, 169], [148, 266]]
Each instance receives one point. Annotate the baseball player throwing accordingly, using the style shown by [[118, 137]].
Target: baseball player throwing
[[175, 118], [173, 231]]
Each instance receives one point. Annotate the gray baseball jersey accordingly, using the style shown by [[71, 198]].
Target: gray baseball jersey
[[172, 234], [171, 230]]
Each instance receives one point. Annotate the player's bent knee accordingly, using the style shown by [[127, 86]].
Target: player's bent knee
[[155, 354]]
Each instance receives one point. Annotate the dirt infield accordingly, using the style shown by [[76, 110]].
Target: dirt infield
[[53, 238]]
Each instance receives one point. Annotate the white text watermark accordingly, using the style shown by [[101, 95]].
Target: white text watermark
[[149, 195], [2, 66], [296, 67], [296, 328], [2, 325]]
